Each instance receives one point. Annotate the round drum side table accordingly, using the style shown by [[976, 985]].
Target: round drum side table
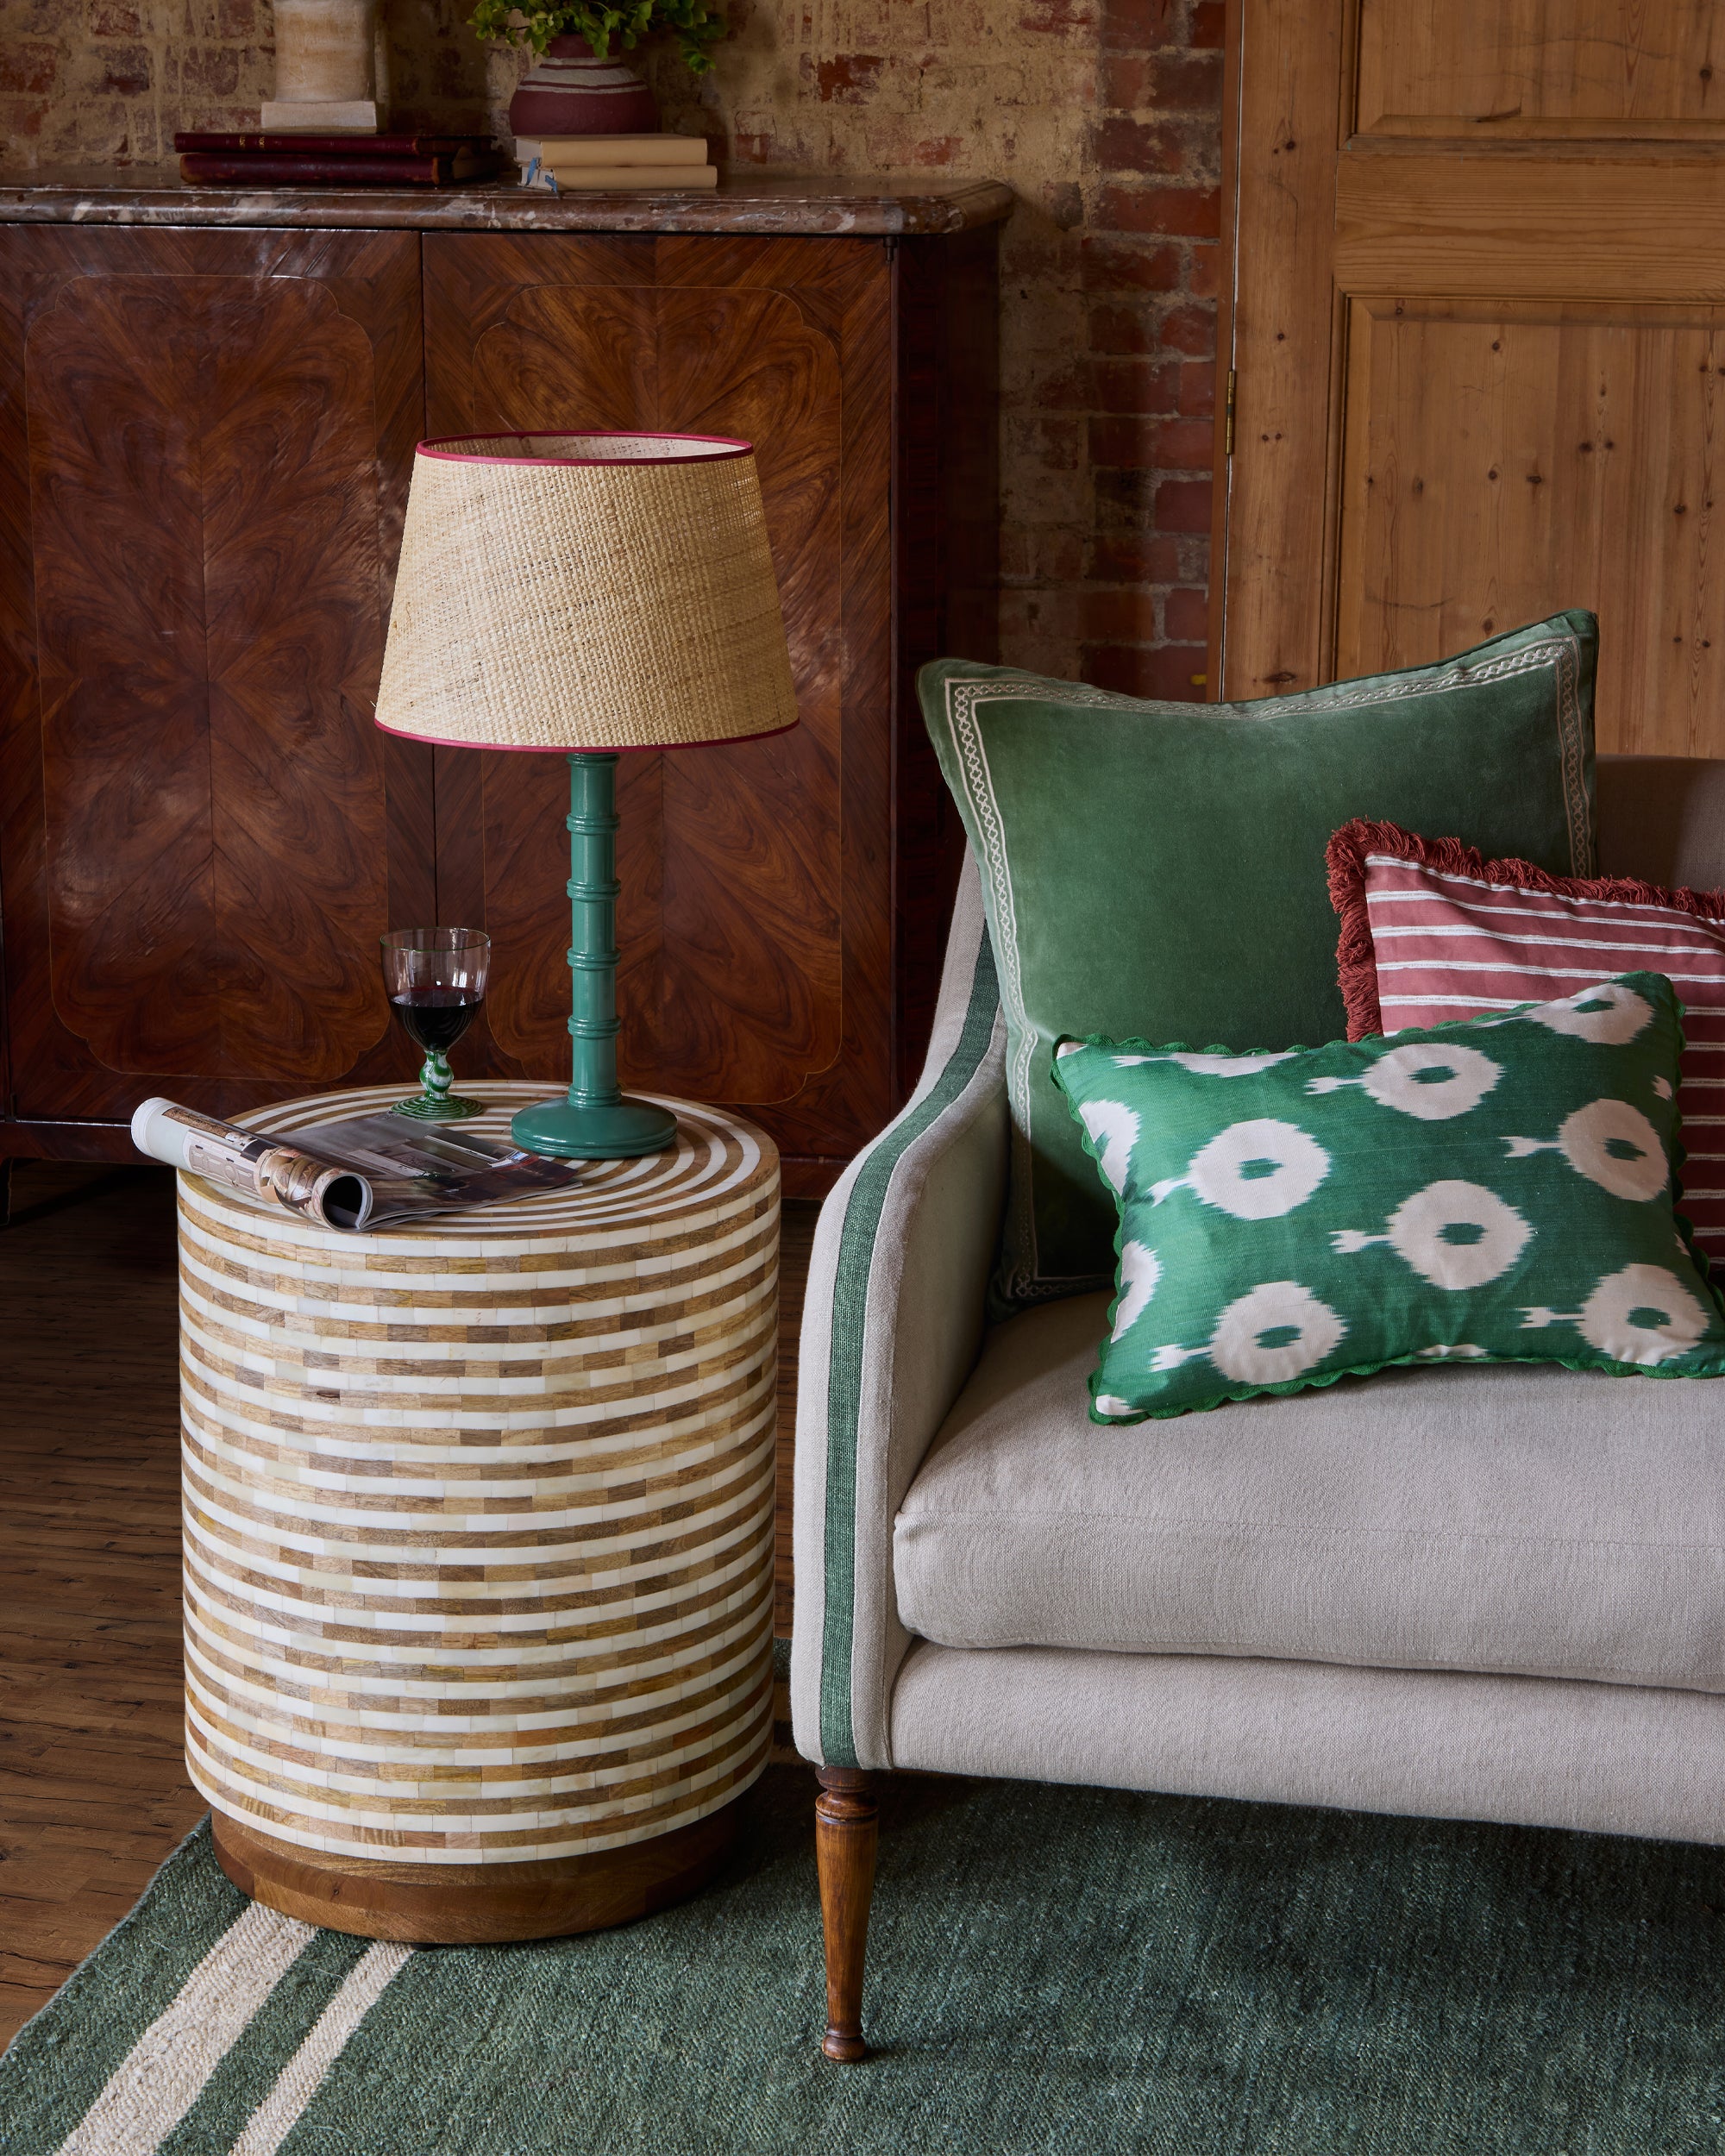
[[479, 1537]]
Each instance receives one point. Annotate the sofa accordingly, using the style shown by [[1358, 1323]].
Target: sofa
[[1494, 1593]]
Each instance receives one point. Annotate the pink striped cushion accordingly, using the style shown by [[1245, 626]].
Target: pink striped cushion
[[1432, 932]]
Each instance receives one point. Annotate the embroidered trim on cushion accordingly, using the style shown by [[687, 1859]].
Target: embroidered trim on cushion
[[1028, 1283], [1523, 917], [849, 1343]]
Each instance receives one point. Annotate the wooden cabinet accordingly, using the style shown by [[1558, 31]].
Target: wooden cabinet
[[1479, 345], [206, 435]]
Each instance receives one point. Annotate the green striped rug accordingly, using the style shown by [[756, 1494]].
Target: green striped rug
[[1052, 1970]]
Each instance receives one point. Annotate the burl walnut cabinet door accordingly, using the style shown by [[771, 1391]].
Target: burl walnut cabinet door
[[1479, 337], [205, 444], [755, 921]]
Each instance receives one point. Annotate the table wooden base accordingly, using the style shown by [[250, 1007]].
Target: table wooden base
[[474, 1904]]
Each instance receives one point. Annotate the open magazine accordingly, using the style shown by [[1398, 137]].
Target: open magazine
[[363, 1172]]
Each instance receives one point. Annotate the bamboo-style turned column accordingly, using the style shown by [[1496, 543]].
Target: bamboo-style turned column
[[594, 1121]]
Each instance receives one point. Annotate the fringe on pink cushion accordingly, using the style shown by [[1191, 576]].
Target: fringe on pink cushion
[[1355, 955]]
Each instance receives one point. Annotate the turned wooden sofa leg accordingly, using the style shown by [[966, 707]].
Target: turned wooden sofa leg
[[846, 1830]]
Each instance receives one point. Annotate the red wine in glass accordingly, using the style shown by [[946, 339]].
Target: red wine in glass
[[436, 1018], [436, 982]]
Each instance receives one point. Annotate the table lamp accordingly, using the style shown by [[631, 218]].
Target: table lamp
[[589, 593]]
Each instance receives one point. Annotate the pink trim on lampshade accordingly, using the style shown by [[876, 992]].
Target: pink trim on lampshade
[[573, 748], [445, 449]]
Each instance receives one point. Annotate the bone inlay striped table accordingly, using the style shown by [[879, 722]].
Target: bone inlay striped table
[[479, 1537]]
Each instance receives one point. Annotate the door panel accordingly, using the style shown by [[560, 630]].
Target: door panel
[[205, 833], [1492, 459], [1477, 376], [1526, 67], [747, 935]]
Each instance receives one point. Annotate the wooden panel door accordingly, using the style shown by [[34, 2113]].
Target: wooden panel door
[[1478, 342], [205, 443], [755, 922]]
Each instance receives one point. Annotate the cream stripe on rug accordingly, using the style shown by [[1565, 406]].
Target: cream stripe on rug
[[276, 2117], [164, 2073]]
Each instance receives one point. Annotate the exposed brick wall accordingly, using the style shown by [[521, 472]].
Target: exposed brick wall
[[1104, 115]]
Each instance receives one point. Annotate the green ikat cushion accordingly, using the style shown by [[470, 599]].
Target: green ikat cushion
[[1498, 1190], [1158, 868]]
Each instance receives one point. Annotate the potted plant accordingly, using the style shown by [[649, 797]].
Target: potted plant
[[576, 87]]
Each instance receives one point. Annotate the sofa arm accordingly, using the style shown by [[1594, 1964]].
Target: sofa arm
[[892, 1322]]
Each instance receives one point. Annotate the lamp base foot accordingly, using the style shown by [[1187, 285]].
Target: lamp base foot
[[618, 1130]]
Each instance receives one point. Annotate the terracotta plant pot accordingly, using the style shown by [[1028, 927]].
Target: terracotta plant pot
[[570, 92]]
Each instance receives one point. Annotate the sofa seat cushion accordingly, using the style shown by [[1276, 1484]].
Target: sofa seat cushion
[[1523, 1519]]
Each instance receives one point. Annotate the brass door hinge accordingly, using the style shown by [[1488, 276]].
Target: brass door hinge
[[1228, 418]]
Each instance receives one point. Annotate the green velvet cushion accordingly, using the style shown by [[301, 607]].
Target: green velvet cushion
[[1498, 1189], [1158, 868]]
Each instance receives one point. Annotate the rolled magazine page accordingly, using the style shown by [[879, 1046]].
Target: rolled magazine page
[[360, 1171], [262, 1167]]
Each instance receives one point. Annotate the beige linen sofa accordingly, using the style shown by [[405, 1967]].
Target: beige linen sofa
[[1490, 1593]]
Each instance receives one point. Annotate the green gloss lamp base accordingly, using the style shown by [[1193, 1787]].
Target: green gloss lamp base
[[594, 1121], [617, 1129]]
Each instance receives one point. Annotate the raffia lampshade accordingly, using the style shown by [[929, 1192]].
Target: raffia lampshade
[[585, 591]]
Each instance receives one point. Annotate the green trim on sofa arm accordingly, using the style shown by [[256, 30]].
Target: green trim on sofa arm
[[850, 1344]]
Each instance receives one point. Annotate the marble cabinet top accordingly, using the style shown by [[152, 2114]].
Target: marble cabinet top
[[865, 207]]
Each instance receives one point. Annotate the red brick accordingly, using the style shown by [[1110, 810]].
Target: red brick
[[1182, 506], [1073, 390], [114, 18], [1059, 557], [1191, 330], [1121, 443], [236, 20], [1117, 328], [1133, 671], [752, 149], [209, 71], [1197, 398], [1136, 145], [126, 71], [939, 149], [1123, 83], [1155, 445], [1126, 617], [1136, 557], [1120, 264], [1185, 212], [850, 78], [1133, 386], [28, 70], [1133, 26], [1209, 19], [1052, 443], [1124, 499], [1204, 270], [1186, 615], [1056, 18], [1185, 82], [1186, 445]]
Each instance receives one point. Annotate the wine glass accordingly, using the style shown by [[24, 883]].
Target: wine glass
[[436, 982]]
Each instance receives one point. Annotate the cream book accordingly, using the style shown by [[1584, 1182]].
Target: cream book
[[561, 150], [683, 179]]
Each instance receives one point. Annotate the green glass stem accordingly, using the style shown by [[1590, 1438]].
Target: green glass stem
[[594, 1121], [434, 1102]]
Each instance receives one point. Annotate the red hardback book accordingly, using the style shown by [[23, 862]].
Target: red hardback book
[[333, 145], [305, 168]]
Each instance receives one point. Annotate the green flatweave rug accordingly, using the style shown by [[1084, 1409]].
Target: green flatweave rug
[[1050, 1969]]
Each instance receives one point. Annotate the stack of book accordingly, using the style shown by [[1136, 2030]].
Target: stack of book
[[658, 164], [334, 160]]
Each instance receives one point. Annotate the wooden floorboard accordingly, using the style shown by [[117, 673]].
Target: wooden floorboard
[[93, 1793]]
